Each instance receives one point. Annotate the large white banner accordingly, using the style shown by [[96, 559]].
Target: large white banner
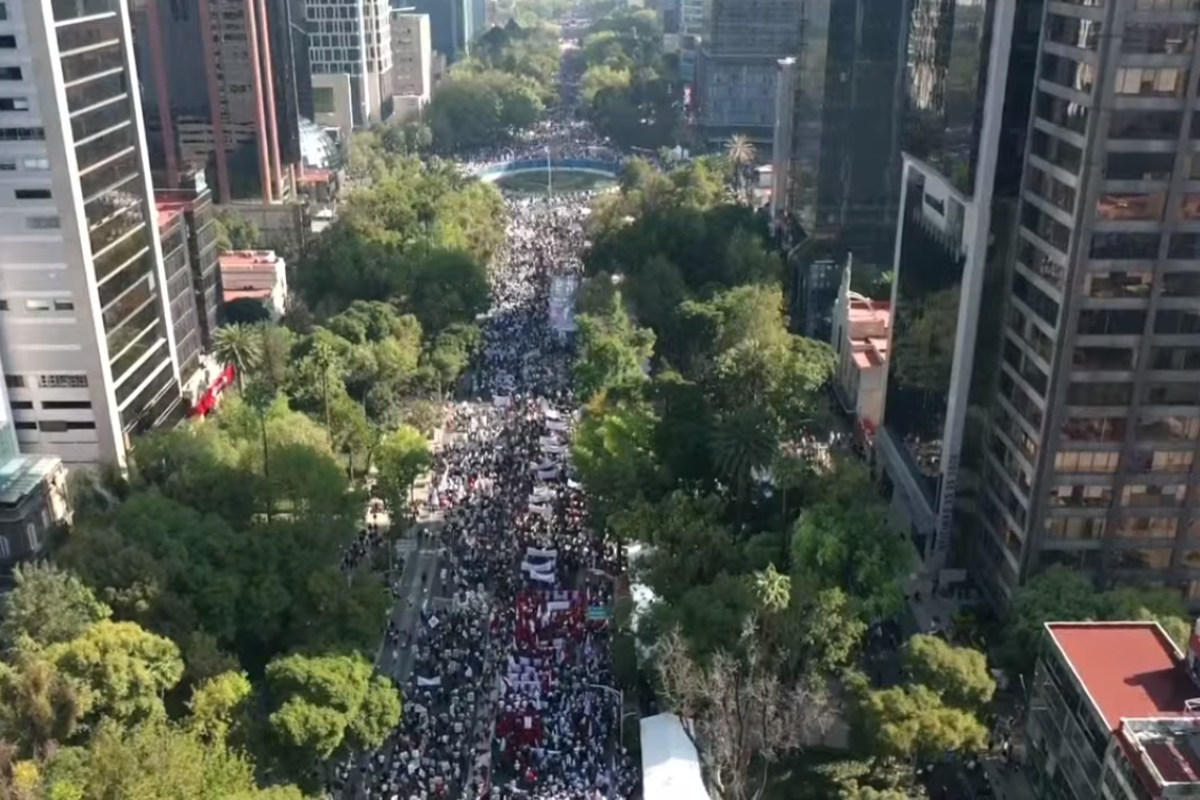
[[562, 302]]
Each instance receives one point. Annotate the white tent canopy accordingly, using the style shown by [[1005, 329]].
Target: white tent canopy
[[670, 765]]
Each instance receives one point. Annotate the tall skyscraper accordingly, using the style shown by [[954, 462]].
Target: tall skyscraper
[[350, 44], [85, 332], [452, 24], [225, 84], [967, 83], [1096, 430], [739, 63], [843, 183]]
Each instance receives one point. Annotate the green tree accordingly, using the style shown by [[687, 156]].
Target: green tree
[[743, 442], [39, 706], [156, 760], [402, 458], [603, 78], [260, 397], [853, 547], [119, 669], [912, 722], [235, 232], [239, 345], [217, 704], [47, 606], [1061, 594], [613, 351], [958, 675], [613, 453], [325, 706], [741, 154]]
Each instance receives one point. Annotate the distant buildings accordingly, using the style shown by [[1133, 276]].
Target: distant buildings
[[412, 64], [255, 275], [738, 62], [226, 84], [453, 24], [861, 336], [351, 56]]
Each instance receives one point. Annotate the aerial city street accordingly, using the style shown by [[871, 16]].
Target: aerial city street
[[599, 400]]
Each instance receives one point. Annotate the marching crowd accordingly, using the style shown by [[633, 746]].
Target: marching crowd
[[511, 689]]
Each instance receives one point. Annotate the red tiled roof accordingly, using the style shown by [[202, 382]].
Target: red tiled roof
[[1130, 669]]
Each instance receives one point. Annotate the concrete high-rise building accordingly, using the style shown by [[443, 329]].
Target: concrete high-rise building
[[350, 47], [967, 85], [86, 336], [225, 84], [412, 63], [738, 65], [1095, 434], [453, 25]]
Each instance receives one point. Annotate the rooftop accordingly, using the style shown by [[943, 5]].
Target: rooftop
[[1131, 670], [247, 259], [168, 211]]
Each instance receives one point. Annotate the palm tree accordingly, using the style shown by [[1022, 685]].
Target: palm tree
[[742, 441], [241, 346], [774, 589], [259, 396], [741, 154], [788, 470], [324, 358]]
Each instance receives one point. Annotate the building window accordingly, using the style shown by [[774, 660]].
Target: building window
[[1160, 461], [14, 104], [1171, 394], [38, 305], [1131, 206], [323, 102], [1075, 528], [1147, 82], [1181, 284], [31, 537], [1071, 461], [1094, 429], [1185, 246], [1168, 429], [1105, 393], [35, 164], [1081, 496], [22, 134], [1175, 358], [1120, 246], [1072, 31], [1056, 151], [52, 426], [1111, 322], [25, 426], [1166, 5], [22, 405], [64, 305], [62, 381], [1150, 495], [1158, 37], [67, 405], [1119, 284], [1103, 358], [1120, 166], [10, 73], [1130, 124], [8, 42], [14, 381], [32, 194], [4, 549], [1170, 322], [46, 223], [3, 17], [1067, 72]]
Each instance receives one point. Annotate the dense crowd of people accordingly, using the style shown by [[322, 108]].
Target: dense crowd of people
[[511, 692]]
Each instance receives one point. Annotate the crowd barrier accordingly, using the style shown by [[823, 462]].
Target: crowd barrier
[[607, 168]]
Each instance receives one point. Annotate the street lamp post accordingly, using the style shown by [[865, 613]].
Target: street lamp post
[[549, 173], [620, 696]]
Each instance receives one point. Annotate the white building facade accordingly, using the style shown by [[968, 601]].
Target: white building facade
[[85, 333]]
